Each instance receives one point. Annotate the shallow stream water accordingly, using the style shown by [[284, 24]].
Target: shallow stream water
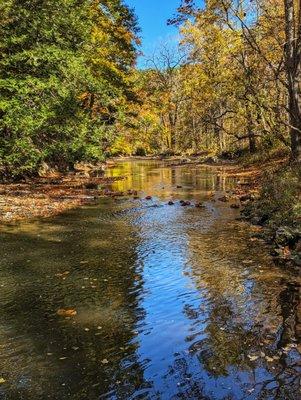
[[172, 302]]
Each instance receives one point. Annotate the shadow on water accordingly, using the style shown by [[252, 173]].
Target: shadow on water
[[51, 265], [172, 302]]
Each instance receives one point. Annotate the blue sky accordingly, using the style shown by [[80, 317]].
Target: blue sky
[[152, 16]]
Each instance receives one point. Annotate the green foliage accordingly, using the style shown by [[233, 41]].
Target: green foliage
[[121, 147], [280, 201], [47, 73], [140, 151]]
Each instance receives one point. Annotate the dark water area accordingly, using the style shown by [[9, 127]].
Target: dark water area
[[172, 302]]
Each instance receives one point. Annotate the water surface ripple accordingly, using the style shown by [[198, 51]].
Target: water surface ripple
[[172, 302]]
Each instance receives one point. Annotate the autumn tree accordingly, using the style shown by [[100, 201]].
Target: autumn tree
[[293, 70], [261, 48], [166, 91]]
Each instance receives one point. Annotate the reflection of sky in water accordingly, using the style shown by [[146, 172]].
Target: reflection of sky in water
[[173, 302]]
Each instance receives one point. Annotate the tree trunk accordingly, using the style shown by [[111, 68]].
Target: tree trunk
[[250, 129], [172, 128], [293, 72]]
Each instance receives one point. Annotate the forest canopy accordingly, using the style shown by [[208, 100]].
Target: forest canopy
[[232, 85], [65, 79], [70, 89]]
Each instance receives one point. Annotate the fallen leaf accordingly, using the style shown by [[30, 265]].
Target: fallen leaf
[[2, 380], [66, 312], [62, 274], [252, 358], [104, 361]]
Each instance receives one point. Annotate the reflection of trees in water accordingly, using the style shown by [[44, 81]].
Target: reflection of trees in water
[[247, 313], [107, 299], [149, 177], [289, 302]]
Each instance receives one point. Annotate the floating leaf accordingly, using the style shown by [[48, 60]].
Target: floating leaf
[[66, 312], [252, 358], [62, 274]]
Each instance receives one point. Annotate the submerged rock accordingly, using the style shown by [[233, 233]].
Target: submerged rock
[[224, 199], [246, 197], [287, 236], [91, 185]]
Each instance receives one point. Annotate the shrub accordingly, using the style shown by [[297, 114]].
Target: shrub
[[140, 151], [280, 198]]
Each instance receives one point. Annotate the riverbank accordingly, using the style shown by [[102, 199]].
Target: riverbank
[[272, 201], [48, 196]]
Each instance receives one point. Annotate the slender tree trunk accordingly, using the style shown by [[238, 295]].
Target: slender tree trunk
[[250, 129], [172, 131], [293, 71], [252, 142], [194, 134]]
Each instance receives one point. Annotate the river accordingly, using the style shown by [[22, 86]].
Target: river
[[171, 302]]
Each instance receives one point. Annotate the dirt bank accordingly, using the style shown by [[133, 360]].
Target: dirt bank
[[48, 196]]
